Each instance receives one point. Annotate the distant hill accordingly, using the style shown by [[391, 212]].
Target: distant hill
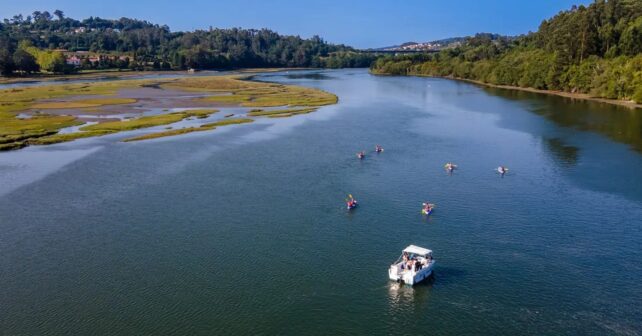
[[53, 42], [432, 45], [595, 50]]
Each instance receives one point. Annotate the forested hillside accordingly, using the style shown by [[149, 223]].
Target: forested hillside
[[48, 42], [595, 50]]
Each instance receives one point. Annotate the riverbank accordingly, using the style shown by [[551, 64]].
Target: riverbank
[[580, 96], [80, 75], [126, 73]]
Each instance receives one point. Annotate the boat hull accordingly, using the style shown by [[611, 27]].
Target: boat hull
[[410, 277]]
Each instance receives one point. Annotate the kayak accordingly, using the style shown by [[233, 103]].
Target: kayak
[[450, 167], [428, 211]]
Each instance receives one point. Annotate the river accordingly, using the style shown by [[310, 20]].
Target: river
[[243, 230]]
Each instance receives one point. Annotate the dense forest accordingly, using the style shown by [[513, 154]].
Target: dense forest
[[48, 42], [595, 50]]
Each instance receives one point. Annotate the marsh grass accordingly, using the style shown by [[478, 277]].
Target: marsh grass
[[204, 127], [202, 113], [229, 122], [13, 101], [138, 123], [42, 128], [169, 133], [254, 94], [281, 113], [84, 103], [57, 138]]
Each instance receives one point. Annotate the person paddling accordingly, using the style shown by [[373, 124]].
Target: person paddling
[[426, 208], [351, 202], [450, 167]]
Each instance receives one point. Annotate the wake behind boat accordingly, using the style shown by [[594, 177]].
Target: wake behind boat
[[413, 266]]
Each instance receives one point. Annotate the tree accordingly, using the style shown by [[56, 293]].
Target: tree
[[156, 44], [25, 62], [59, 14], [6, 62], [37, 15], [631, 40]]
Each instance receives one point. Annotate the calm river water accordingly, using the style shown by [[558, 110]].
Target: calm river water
[[243, 230]]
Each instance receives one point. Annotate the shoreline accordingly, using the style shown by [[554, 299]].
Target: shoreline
[[579, 96], [130, 73]]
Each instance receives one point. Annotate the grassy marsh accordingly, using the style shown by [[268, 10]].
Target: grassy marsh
[[57, 138], [226, 122], [254, 94], [84, 103], [147, 121], [205, 127], [169, 133], [41, 128], [281, 113]]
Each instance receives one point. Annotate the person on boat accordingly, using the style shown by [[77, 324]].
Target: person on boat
[[378, 149], [410, 263], [502, 170], [361, 154]]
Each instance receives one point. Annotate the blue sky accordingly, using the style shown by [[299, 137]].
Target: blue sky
[[359, 23]]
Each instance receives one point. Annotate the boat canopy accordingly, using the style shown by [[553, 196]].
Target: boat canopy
[[417, 250]]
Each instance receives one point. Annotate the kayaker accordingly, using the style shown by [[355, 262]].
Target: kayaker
[[351, 202]]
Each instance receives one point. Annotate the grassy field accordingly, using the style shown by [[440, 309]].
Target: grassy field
[[41, 128]]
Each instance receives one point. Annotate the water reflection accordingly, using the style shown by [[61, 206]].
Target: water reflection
[[313, 75], [402, 296], [563, 154], [291, 75], [619, 123]]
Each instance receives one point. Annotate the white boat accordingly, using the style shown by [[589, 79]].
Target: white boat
[[413, 266]]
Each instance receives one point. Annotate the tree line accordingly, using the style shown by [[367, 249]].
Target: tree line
[[595, 49], [25, 41]]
